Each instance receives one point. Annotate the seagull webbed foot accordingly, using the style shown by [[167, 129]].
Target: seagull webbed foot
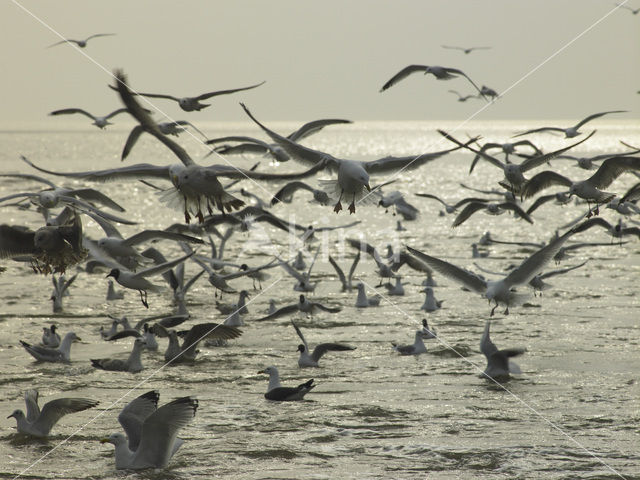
[[352, 208], [338, 207]]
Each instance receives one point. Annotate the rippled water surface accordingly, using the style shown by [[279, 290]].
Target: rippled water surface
[[574, 412]]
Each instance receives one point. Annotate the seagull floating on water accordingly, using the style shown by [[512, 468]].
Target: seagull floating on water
[[311, 359], [275, 391]]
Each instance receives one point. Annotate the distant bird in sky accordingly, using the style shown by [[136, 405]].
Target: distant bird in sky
[[190, 104], [462, 98], [441, 73], [466, 50], [570, 132], [81, 43], [634, 11], [100, 122]]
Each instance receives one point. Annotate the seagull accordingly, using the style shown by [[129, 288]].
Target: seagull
[[462, 98], [240, 306], [60, 289], [634, 11], [45, 354], [513, 172], [488, 92], [507, 148], [304, 278], [466, 50], [441, 73], [82, 43], [395, 290], [50, 337], [100, 122], [569, 132], [416, 348], [404, 258], [137, 280], [112, 294], [285, 194], [402, 207], [303, 305], [450, 208], [616, 231], [345, 280], [427, 332], [275, 391], [384, 270], [38, 423], [430, 303], [589, 189], [499, 364], [499, 291], [490, 208], [299, 263], [133, 364], [187, 352], [353, 176], [190, 104], [307, 359], [560, 198], [152, 434], [196, 184], [362, 301]]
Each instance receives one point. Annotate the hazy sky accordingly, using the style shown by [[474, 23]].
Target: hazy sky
[[323, 59]]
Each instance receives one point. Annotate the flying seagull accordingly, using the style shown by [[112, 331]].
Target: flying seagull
[[100, 122], [310, 359], [569, 132], [81, 43]]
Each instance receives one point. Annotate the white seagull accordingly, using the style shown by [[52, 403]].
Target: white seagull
[[416, 348], [499, 365], [100, 122], [311, 359], [45, 354], [153, 434], [569, 132], [38, 423], [275, 391], [498, 291]]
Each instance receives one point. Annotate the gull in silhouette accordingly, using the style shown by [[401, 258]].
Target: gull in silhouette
[[569, 132], [276, 392], [462, 98], [303, 305], [345, 280], [466, 50], [589, 189], [190, 104], [498, 291], [152, 434], [166, 128], [353, 175], [81, 43], [499, 365], [441, 73], [38, 423], [60, 290], [100, 122], [133, 363], [490, 208], [311, 359]]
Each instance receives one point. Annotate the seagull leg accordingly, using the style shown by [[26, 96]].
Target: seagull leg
[[338, 206], [493, 309], [143, 298], [506, 312], [352, 207]]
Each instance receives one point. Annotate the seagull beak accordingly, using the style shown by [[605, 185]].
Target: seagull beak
[[366, 185]]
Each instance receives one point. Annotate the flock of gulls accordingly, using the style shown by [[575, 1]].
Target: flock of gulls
[[208, 197]]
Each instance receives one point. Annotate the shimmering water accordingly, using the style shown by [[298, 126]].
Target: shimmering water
[[573, 412]]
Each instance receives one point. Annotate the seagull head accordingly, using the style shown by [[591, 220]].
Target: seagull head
[[301, 348], [115, 273], [115, 439], [17, 414]]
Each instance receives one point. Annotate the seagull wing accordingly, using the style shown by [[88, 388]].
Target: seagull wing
[[56, 409], [323, 348], [288, 190], [470, 209], [286, 310], [468, 279], [612, 168], [16, 241], [516, 208], [340, 273], [131, 141], [99, 35], [163, 267], [312, 127], [147, 235], [543, 180], [460, 72], [68, 111], [534, 162], [228, 171], [160, 431], [594, 116], [300, 153], [135, 413], [390, 163], [541, 129], [204, 96], [402, 74], [31, 401], [115, 112], [487, 347], [536, 262], [306, 345]]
